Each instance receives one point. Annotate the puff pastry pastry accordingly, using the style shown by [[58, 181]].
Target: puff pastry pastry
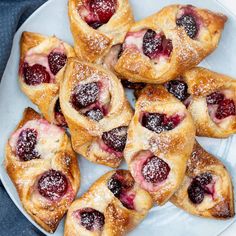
[[207, 189], [97, 112], [43, 167], [99, 27], [159, 142], [166, 44], [210, 98], [113, 205], [42, 64]]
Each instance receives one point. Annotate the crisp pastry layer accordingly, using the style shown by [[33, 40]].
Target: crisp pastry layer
[[98, 27], [166, 44], [113, 205], [210, 98], [159, 143], [41, 69], [44, 169], [207, 188], [97, 112]]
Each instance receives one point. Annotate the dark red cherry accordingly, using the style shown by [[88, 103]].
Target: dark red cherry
[[215, 98], [155, 170], [91, 219], [155, 44], [225, 108], [84, 95], [190, 25], [195, 193], [95, 114], [115, 186], [103, 9], [36, 74], [25, 146], [95, 24], [53, 185], [178, 88], [153, 122], [56, 61], [116, 138], [59, 115], [203, 179], [152, 44]]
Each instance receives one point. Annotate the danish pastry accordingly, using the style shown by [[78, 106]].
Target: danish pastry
[[207, 189], [99, 28], [166, 44], [113, 205], [43, 167], [210, 98], [97, 112], [42, 63], [159, 142]]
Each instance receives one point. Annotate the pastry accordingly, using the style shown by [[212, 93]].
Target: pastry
[[113, 205], [97, 112], [42, 64], [207, 189], [164, 45], [210, 98], [99, 28], [159, 142], [43, 167]]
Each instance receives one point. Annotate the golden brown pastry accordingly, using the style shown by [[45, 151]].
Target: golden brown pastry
[[43, 167], [99, 27], [113, 205], [164, 45], [207, 189], [97, 112], [159, 142], [41, 69], [210, 98]]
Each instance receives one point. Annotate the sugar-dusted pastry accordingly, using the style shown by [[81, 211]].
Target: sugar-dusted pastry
[[210, 98], [207, 188], [99, 27], [166, 44], [42, 64], [112, 206], [44, 169], [159, 142], [97, 112]]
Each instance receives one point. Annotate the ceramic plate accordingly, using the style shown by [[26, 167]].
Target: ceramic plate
[[52, 18]]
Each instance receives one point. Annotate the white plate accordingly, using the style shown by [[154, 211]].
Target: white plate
[[52, 18]]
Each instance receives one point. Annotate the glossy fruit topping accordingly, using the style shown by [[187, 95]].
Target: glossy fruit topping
[[56, 61]]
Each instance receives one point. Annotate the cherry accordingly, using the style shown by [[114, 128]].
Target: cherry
[[155, 44], [91, 219], [56, 61], [178, 88], [53, 185], [203, 179], [103, 9], [190, 25], [115, 185], [116, 138], [195, 193], [155, 170], [84, 95], [226, 108], [95, 114], [35, 75], [59, 115], [215, 98], [25, 146]]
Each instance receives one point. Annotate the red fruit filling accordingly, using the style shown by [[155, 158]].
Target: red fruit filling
[[56, 61]]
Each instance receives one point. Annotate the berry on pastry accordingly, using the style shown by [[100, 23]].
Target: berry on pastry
[[211, 99], [207, 189], [164, 45], [159, 141], [97, 112], [113, 205], [43, 167], [99, 28]]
